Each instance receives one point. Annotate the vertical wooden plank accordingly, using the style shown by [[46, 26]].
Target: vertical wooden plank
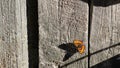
[[105, 33], [13, 34], [60, 22]]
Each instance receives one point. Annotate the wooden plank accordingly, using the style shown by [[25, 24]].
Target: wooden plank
[[61, 21], [105, 33], [13, 34]]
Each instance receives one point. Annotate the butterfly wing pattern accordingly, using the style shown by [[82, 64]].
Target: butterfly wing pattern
[[79, 46]]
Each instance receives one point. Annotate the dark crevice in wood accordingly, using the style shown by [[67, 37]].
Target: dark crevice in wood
[[113, 62], [90, 3], [33, 33], [104, 3]]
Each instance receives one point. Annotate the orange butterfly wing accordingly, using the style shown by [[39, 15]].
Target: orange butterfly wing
[[79, 45], [82, 49]]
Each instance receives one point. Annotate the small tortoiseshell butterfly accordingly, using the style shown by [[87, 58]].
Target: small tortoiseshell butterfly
[[79, 46]]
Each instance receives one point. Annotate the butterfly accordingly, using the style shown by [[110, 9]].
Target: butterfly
[[79, 46]]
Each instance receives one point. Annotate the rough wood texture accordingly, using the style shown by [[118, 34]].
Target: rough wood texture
[[105, 33], [13, 34], [61, 21]]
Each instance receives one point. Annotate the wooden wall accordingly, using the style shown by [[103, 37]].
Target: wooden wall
[[60, 22], [105, 31], [13, 34], [40, 33]]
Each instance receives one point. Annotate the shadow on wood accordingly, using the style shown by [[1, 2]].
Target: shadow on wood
[[103, 3], [113, 62], [33, 33], [90, 55], [70, 50]]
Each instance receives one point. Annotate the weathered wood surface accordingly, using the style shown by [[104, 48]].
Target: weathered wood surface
[[61, 21], [105, 33], [13, 34]]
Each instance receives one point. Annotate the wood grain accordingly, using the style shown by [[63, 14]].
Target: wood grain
[[105, 33], [13, 34], [61, 21]]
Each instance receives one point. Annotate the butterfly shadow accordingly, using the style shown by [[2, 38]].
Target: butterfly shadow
[[70, 50]]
